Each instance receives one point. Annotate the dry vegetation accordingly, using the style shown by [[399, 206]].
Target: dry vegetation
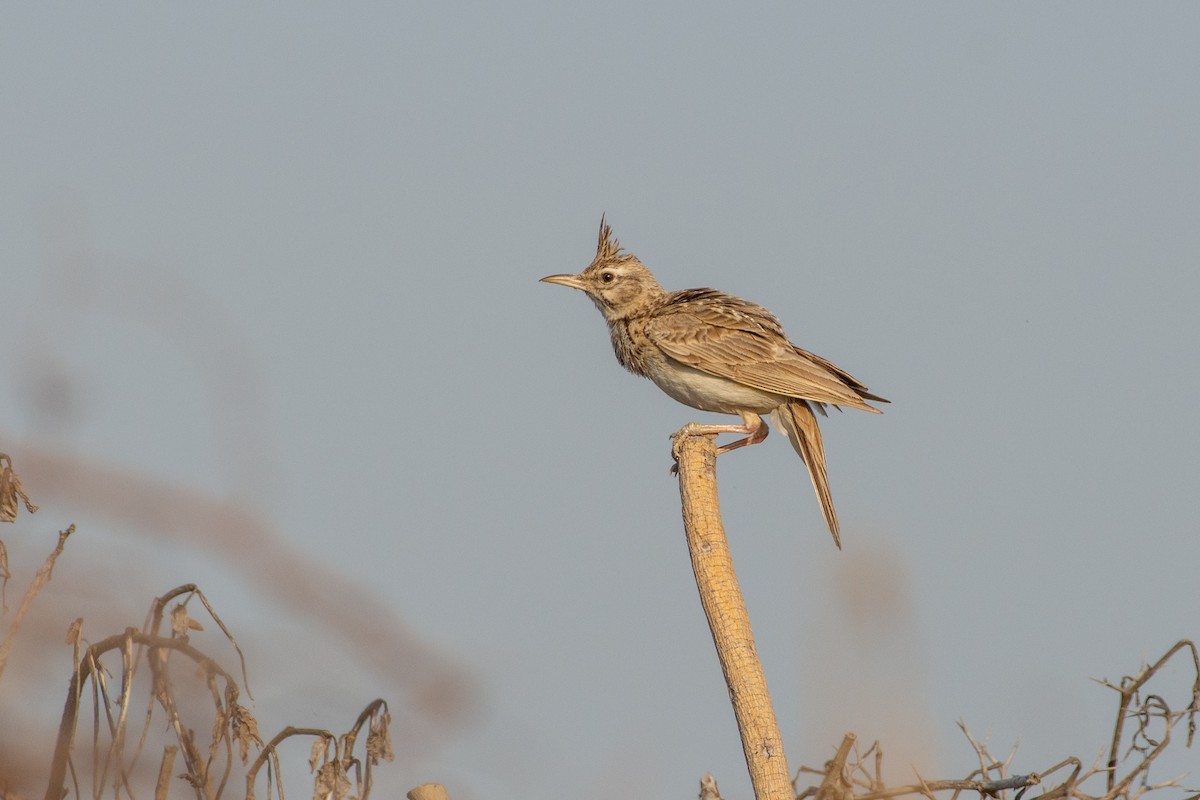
[[1143, 730], [166, 717], [160, 715]]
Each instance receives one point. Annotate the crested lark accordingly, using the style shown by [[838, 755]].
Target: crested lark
[[716, 352]]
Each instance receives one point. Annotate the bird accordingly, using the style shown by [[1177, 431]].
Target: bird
[[719, 353]]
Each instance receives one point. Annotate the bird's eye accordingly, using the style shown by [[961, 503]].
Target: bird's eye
[[607, 277]]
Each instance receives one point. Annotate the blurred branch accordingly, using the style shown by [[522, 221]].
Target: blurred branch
[[441, 690], [39, 581]]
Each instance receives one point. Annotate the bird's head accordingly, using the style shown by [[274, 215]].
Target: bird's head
[[617, 282]]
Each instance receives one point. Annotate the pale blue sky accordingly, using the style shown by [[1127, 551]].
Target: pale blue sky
[[289, 256]]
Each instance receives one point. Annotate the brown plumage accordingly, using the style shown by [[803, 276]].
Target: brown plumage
[[717, 352]]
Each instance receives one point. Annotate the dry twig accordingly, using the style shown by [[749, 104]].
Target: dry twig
[[846, 777]]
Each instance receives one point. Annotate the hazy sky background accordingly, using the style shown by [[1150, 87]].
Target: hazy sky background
[[287, 255]]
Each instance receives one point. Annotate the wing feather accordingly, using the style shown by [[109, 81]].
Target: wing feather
[[735, 339]]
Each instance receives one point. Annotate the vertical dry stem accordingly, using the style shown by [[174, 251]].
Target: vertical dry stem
[[39, 582], [722, 600]]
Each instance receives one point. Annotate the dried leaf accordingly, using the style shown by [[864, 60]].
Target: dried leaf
[[317, 754], [379, 742], [331, 782], [245, 730], [10, 490], [181, 623]]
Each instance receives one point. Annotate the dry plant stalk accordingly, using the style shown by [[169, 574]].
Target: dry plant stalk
[[721, 598], [36, 585], [207, 765], [857, 775]]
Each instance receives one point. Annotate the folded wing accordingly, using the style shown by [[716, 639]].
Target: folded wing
[[744, 342]]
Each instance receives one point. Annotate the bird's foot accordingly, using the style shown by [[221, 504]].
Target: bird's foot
[[691, 429], [754, 426]]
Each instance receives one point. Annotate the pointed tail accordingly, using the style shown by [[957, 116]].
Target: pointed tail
[[798, 420]]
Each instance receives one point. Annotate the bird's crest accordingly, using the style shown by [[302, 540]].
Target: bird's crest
[[607, 247]]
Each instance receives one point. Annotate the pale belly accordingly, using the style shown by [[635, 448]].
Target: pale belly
[[709, 392]]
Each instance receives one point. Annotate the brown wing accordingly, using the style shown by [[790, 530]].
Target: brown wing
[[732, 338]]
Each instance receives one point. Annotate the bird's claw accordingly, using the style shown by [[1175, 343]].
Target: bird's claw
[[677, 440]]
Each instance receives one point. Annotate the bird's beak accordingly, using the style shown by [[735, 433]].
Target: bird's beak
[[573, 281]]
